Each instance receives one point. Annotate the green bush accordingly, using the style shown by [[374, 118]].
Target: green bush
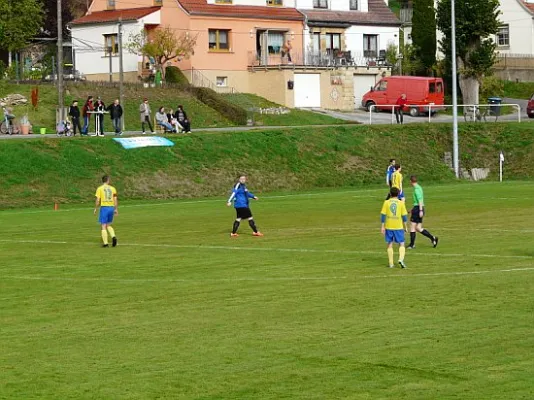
[[234, 113], [491, 86], [176, 76]]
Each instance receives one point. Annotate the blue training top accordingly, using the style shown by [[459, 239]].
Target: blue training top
[[240, 195], [389, 174]]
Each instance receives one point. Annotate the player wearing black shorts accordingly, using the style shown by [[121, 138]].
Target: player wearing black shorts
[[240, 197], [417, 215]]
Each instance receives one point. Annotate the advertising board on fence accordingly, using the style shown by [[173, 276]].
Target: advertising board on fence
[[143, 141]]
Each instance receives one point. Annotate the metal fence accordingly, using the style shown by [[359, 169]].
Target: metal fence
[[471, 112], [514, 61], [330, 59]]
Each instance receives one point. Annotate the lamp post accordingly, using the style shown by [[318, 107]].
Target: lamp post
[[454, 93]]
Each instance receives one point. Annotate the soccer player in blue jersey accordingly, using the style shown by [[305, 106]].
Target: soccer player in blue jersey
[[389, 172], [240, 197], [389, 175], [394, 218], [106, 199]]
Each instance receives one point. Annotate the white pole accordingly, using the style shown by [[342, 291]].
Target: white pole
[[501, 160], [454, 93]]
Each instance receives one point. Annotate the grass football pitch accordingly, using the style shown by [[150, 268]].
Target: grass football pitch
[[309, 311]]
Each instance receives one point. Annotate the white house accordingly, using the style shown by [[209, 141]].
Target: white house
[[95, 39], [516, 33], [355, 32]]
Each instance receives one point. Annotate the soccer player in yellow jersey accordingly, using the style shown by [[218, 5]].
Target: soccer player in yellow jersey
[[396, 181], [106, 199], [394, 218]]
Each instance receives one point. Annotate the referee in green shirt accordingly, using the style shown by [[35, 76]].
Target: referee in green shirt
[[417, 214]]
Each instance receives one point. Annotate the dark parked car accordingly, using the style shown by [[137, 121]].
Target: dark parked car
[[530, 107]]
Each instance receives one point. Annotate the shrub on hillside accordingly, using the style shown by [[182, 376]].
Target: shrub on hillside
[[176, 76], [491, 86], [234, 113]]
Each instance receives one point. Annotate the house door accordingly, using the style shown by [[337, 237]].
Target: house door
[[307, 88], [362, 84]]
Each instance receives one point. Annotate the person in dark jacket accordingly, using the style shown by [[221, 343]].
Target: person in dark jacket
[[100, 108], [74, 113], [241, 197], [88, 106], [182, 119], [115, 112]]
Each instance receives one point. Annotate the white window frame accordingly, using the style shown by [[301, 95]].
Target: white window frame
[[353, 5], [223, 81], [322, 4], [504, 34], [367, 51]]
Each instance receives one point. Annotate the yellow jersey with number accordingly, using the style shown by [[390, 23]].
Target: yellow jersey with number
[[394, 213], [106, 194], [396, 180]]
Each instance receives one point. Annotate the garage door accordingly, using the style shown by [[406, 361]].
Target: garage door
[[307, 90], [362, 84]]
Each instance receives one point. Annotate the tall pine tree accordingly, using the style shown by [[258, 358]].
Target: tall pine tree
[[424, 35]]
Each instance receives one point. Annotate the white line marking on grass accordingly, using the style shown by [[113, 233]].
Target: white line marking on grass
[[178, 202], [263, 279], [269, 249]]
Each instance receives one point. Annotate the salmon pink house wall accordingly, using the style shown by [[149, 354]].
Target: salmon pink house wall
[[230, 37], [230, 67]]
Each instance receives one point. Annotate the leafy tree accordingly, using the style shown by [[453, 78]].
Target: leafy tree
[[409, 64], [424, 35], [163, 45], [476, 22], [20, 21]]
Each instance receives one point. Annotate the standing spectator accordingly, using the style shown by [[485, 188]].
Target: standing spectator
[[74, 112], [184, 122], [115, 112], [161, 120], [399, 110], [88, 106], [286, 51], [100, 107], [145, 113]]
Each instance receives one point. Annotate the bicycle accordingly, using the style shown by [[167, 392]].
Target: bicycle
[[473, 114], [8, 125]]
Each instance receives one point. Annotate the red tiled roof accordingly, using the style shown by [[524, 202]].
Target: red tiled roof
[[530, 6], [128, 14], [378, 14], [201, 7]]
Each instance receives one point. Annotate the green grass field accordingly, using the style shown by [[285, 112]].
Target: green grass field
[[181, 311]]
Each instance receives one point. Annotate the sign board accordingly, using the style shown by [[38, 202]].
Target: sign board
[[143, 141]]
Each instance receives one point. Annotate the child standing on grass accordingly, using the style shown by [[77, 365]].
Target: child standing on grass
[[241, 197]]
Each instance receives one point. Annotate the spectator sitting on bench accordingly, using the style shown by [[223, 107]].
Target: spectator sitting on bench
[[173, 121], [184, 122], [161, 120]]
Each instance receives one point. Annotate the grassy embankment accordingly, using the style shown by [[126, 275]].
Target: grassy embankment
[[202, 116], [41, 171]]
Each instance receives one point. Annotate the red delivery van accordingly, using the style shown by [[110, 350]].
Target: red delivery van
[[420, 93]]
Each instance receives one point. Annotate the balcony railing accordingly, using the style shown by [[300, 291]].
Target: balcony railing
[[319, 59], [406, 15]]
